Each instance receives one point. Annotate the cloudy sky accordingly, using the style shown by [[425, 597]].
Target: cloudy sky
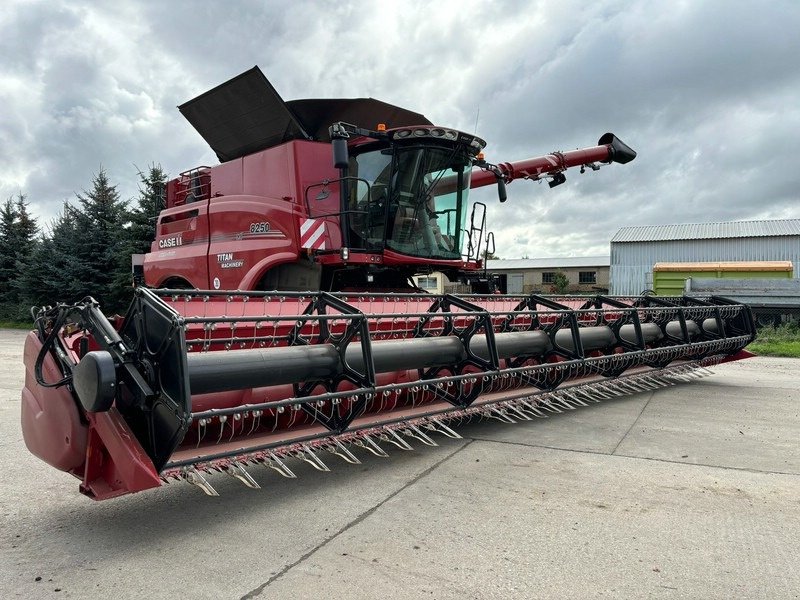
[[707, 92]]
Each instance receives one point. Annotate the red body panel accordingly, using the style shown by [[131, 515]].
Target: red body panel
[[116, 463], [97, 448], [51, 424], [246, 215], [245, 222], [180, 249]]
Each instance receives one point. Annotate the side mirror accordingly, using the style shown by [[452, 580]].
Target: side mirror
[[341, 158]]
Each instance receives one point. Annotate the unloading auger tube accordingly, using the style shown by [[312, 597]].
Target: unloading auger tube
[[195, 381]]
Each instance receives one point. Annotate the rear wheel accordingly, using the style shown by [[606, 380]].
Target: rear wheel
[[177, 283]]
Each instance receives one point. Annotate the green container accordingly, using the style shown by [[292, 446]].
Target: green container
[[669, 279]]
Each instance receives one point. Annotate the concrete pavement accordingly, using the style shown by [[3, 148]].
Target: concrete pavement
[[687, 492]]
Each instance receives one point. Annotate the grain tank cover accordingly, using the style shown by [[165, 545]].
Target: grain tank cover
[[242, 116], [246, 114], [318, 115]]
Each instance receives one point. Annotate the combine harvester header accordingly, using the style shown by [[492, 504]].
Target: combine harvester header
[[348, 355]]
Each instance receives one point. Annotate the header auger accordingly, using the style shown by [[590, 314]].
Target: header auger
[[349, 355]]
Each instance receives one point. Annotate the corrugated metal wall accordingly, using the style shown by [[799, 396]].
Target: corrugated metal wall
[[632, 262]]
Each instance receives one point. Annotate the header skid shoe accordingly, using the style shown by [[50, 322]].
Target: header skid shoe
[[192, 382]]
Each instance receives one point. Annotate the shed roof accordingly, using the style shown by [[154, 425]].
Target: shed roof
[[703, 231], [563, 262]]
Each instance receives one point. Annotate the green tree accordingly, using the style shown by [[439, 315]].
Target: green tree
[[26, 228], [18, 231], [8, 217], [53, 270], [103, 254], [85, 252], [150, 203], [26, 231], [560, 283]]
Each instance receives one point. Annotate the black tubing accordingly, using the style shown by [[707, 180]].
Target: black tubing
[[513, 344], [241, 369], [650, 332], [402, 355]]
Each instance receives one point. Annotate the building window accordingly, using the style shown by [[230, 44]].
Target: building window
[[548, 277], [587, 277], [428, 283]]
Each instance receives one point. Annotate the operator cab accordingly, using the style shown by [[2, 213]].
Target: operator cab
[[407, 191]]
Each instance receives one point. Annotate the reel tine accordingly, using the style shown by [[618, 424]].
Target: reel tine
[[201, 431], [237, 471], [222, 420], [417, 433], [311, 458], [276, 463], [368, 443], [340, 450], [195, 477]]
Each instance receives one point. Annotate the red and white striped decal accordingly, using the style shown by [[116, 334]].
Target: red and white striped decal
[[312, 234]]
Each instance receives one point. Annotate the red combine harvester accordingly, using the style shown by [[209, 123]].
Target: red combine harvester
[[348, 353]]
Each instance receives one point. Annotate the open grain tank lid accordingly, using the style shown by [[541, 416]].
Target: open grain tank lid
[[245, 115]]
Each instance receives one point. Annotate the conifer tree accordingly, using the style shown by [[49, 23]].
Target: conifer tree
[[150, 203], [18, 231], [102, 257], [8, 216], [52, 272], [26, 229]]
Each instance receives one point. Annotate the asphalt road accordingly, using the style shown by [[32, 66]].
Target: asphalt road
[[688, 492]]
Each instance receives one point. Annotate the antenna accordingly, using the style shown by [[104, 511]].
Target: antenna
[[477, 114]]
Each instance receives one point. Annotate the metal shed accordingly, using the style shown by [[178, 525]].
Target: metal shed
[[635, 250]]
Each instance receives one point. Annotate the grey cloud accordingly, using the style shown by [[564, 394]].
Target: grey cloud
[[706, 92]]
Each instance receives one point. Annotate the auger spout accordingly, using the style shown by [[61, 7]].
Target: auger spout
[[609, 149]]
